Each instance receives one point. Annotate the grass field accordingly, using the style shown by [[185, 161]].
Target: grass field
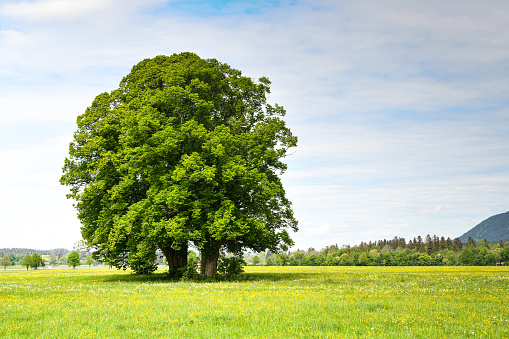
[[275, 302]]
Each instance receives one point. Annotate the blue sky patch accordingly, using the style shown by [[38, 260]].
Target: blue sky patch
[[208, 8]]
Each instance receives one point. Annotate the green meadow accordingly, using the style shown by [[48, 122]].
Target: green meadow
[[267, 302]]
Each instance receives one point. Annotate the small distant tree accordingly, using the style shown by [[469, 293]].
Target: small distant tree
[[354, 258], [424, 259], [298, 256], [320, 260], [402, 258], [6, 261], [504, 255], [329, 260], [283, 259], [363, 259], [312, 259], [344, 260], [89, 261], [27, 261], [255, 260], [304, 261], [269, 262], [491, 259], [467, 257], [36, 261], [457, 245], [293, 261], [450, 258], [73, 260]]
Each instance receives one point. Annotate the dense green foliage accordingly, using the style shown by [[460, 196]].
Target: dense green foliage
[[432, 251], [27, 261], [494, 228], [185, 151], [36, 261], [73, 259], [230, 267], [6, 261]]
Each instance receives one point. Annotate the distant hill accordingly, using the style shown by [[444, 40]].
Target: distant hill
[[31, 250], [494, 228]]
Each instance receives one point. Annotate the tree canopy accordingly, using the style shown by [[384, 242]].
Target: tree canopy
[[73, 259], [185, 151], [27, 261], [36, 261], [6, 261]]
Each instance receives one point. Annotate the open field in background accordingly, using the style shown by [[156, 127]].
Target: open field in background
[[275, 302]]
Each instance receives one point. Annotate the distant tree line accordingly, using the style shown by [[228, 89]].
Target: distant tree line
[[31, 250], [430, 251], [34, 259]]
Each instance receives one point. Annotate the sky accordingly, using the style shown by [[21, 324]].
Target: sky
[[401, 107]]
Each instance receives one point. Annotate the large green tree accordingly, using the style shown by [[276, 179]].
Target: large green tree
[[185, 151]]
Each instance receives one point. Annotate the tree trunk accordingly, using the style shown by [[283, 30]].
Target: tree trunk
[[209, 266], [209, 258], [176, 259]]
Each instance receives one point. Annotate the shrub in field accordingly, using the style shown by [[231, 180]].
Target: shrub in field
[[229, 268], [190, 272]]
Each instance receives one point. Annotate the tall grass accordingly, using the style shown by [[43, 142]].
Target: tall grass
[[272, 302]]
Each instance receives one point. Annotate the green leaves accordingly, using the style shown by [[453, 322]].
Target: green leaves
[[73, 259], [185, 151]]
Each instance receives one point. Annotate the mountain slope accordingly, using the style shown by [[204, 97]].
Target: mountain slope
[[494, 228]]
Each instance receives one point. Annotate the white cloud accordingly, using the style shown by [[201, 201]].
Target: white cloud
[[53, 9], [433, 210], [67, 10]]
